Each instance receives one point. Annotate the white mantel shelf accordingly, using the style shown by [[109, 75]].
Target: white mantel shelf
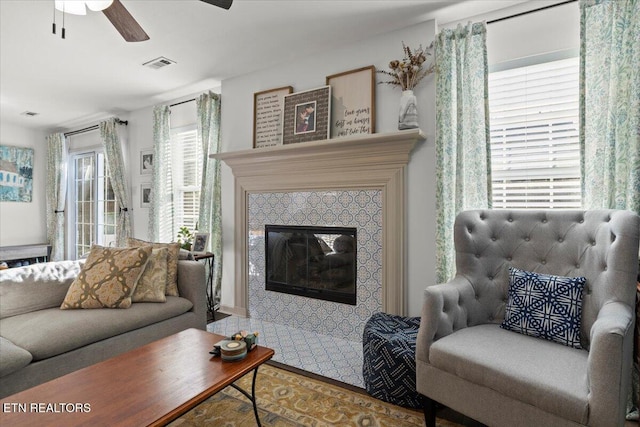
[[382, 149], [376, 161]]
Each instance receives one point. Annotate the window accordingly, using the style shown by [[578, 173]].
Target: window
[[186, 165], [535, 154], [92, 204]]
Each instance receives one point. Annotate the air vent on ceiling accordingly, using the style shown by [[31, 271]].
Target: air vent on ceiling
[[29, 113], [158, 63]]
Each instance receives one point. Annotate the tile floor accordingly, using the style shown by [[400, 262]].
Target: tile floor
[[324, 355]]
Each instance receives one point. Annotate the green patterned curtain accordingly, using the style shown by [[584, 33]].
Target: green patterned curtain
[[209, 220], [56, 193], [610, 103], [463, 168], [118, 173], [161, 215]]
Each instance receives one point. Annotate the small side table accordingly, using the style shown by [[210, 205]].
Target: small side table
[[208, 259]]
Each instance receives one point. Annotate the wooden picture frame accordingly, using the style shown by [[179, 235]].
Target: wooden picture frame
[[268, 107], [353, 102], [306, 115], [146, 162], [145, 195], [200, 241]]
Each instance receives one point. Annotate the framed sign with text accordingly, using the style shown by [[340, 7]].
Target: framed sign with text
[[268, 107], [353, 102]]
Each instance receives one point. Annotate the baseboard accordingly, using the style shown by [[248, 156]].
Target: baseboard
[[234, 311]]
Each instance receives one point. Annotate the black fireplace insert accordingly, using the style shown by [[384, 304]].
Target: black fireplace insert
[[315, 262]]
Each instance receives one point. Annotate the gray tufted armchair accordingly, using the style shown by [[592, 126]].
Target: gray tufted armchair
[[501, 378]]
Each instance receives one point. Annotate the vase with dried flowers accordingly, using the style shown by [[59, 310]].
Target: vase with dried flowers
[[406, 74]]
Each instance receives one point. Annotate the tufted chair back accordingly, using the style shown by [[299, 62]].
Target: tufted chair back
[[596, 244]]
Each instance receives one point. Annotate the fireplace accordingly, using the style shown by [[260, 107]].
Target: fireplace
[[354, 182], [314, 262]]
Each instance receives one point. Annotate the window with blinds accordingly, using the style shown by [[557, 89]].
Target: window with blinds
[[187, 176], [535, 156]]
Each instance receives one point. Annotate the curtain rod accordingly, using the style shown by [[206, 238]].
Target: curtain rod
[[182, 102], [529, 11], [94, 127]]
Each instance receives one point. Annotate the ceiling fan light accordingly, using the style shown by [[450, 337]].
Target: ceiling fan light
[[98, 5], [74, 7]]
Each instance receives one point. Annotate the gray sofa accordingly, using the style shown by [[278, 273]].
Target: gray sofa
[[39, 341], [466, 361]]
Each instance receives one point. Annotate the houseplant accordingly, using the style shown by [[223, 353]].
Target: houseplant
[[185, 238], [407, 74]]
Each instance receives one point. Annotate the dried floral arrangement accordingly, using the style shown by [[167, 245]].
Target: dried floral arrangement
[[411, 70]]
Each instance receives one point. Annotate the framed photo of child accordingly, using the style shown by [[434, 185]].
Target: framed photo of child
[[200, 241]]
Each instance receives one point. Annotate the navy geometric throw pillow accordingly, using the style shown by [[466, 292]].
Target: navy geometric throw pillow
[[545, 306]]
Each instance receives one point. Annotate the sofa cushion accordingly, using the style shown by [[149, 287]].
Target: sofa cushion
[[153, 282], [545, 306], [35, 287], [108, 278], [544, 374], [12, 357], [46, 333], [172, 261]]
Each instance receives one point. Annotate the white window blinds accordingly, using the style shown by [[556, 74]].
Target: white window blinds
[[187, 173], [535, 156]]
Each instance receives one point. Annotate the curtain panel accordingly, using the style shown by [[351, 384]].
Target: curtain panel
[[161, 213], [610, 103], [209, 220], [56, 189], [463, 167], [118, 173]]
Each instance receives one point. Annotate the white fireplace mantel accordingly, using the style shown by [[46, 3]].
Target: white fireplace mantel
[[375, 161]]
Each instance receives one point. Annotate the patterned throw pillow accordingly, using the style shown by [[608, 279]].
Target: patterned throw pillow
[[153, 282], [545, 306], [172, 262], [107, 278]]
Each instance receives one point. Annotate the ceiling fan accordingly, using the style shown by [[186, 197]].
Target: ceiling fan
[[119, 16]]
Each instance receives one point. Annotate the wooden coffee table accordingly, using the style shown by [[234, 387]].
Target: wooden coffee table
[[151, 385]]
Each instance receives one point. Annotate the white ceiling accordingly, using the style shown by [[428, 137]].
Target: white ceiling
[[94, 72]]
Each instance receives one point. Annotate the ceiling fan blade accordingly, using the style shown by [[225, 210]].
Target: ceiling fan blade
[[125, 23], [225, 4]]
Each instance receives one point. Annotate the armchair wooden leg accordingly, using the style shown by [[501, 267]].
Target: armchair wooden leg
[[429, 408]]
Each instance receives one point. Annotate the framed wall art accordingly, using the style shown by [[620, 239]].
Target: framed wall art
[[268, 106], [145, 195], [16, 174], [306, 115], [353, 102], [146, 162]]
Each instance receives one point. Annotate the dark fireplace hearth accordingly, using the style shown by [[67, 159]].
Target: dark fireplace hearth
[[315, 262]]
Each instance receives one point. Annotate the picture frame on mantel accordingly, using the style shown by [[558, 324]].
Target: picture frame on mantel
[[353, 102], [306, 116], [268, 107]]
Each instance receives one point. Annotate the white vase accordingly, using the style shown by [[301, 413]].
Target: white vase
[[408, 115]]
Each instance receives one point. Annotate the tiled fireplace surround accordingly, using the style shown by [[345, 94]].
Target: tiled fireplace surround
[[351, 182]]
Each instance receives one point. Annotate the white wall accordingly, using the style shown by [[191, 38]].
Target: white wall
[[140, 139], [518, 41], [309, 73], [25, 223]]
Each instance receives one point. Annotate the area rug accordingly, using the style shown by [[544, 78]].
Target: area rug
[[287, 399]]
